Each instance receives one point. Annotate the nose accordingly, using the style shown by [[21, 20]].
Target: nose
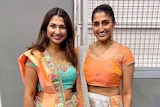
[[57, 30], [101, 28]]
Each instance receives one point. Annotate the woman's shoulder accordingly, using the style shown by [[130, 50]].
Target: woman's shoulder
[[125, 50], [120, 46], [32, 52]]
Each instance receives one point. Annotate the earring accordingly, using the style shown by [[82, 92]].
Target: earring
[[111, 39]]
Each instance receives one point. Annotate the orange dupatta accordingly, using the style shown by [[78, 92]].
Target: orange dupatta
[[51, 97]]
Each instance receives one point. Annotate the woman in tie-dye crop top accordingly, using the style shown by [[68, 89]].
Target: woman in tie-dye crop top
[[108, 63]]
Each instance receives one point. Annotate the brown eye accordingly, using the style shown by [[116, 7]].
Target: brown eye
[[53, 26], [62, 27], [104, 23], [96, 24]]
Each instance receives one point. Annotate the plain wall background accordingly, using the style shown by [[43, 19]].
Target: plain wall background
[[20, 21], [146, 92]]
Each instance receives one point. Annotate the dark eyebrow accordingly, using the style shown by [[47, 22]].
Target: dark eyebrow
[[95, 22], [59, 25], [52, 23], [105, 21], [62, 25]]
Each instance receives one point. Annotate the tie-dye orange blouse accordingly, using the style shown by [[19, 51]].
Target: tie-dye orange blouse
[[107, 73]]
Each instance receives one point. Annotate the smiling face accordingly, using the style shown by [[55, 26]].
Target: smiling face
[[102, 25], [56, 30]]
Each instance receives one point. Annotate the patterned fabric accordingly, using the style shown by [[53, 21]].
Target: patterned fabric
[[69, 103], [38, 101], [73, 102], [108, 72], [50, 80], [67, 71], [98, 100]]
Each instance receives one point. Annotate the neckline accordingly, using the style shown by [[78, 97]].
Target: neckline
[[57, 65], [105, 59], [62, 63]]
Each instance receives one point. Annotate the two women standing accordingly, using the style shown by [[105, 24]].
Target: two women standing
[[50, 68]]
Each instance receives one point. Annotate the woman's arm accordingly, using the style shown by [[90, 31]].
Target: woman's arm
[[31, 80], [127, 85]]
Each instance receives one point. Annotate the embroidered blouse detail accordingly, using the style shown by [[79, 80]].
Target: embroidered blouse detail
[[67, 71], [107, 73]]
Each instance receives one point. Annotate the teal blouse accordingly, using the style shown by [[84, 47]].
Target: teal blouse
[[68, 75]]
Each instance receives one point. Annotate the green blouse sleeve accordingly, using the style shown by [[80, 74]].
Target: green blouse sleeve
[[30, 63]]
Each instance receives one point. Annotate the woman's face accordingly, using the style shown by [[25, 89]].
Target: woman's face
[[102, 26], [56, 30]]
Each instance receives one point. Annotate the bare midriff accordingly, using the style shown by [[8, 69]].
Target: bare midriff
[[68, 94], [107, 91]]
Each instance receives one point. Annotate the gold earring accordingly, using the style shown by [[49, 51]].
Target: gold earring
[[111, 39]]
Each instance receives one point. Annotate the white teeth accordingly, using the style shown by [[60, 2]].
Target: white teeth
[[57, 36], [102, 34]]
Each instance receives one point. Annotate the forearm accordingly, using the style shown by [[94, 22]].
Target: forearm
[[28, 101], [127, 100]]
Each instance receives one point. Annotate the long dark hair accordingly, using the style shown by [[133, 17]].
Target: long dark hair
[[67, 45]]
